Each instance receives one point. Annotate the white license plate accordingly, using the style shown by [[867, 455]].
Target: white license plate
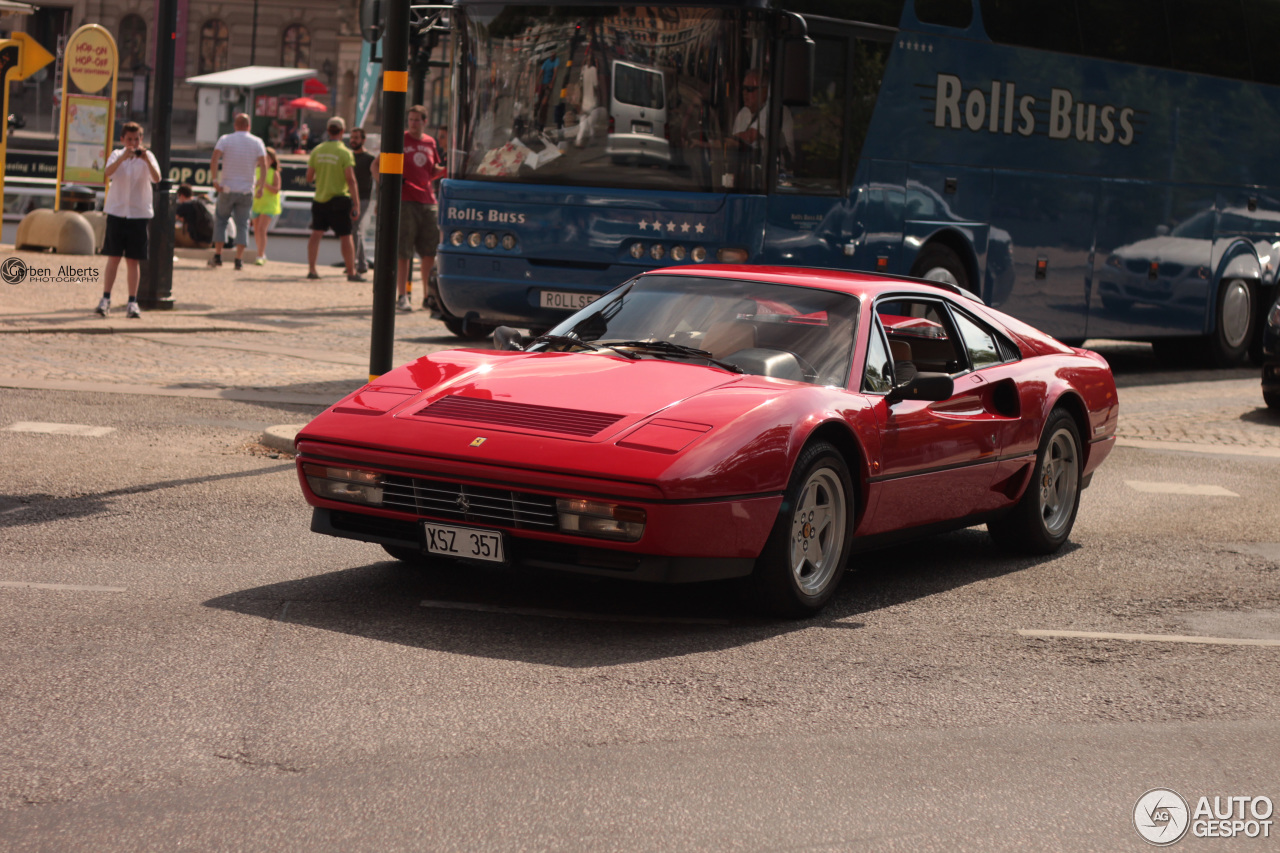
[[466, 543], [637, 127], [565, 300]]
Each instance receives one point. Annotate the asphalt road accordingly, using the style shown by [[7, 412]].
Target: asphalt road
[[185, 666]]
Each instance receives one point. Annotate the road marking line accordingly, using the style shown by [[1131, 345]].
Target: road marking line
[[66, 587], [1148, 638], [60, 429], [1179, 489], [564, 614], [1188, 447]]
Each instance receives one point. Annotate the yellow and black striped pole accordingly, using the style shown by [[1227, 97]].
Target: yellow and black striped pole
[[395, 85]]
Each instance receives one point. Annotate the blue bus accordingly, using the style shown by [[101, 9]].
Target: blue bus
[[1098, 168]]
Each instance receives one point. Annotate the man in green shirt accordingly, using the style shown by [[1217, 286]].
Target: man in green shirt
[[331, 168]]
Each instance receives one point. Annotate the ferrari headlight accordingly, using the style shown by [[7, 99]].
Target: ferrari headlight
[[599, 519], [345, 484]]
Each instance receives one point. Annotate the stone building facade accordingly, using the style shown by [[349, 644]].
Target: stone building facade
[[219, 35]]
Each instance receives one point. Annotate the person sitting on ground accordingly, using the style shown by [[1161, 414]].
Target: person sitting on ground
[[194, 226]]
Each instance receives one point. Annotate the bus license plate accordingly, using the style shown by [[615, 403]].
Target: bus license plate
[[641, 127], [565, 300], [466, 543]]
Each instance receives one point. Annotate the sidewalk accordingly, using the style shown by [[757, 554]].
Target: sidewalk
[[265, 334], [205, 300]]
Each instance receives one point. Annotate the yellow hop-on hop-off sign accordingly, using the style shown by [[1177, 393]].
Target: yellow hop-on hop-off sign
[[91, 59]]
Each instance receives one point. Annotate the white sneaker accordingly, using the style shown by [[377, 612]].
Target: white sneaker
[[403, 303], [132, 310], [104, 305]]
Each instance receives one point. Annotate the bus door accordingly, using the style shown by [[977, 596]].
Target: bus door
[[813, 210], [1048, 222]]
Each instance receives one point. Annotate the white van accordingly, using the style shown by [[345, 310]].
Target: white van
[[637, 113]]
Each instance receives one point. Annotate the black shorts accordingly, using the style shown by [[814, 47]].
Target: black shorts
[[126, 238], [332, 215]]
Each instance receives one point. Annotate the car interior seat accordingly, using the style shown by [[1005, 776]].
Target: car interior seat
[[725, 338]]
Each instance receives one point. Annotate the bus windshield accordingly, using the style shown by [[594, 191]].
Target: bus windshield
[[622, 96]]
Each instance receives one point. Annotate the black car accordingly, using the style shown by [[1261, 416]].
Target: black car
[[1271, 357]]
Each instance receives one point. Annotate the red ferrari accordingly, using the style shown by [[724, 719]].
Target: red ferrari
[[712, 422]]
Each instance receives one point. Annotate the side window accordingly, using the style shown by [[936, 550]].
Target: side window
[[878, 376], [980, 344], [920, 336], [984, 345]]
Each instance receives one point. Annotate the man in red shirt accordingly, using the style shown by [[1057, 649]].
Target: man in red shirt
[[419, 214]]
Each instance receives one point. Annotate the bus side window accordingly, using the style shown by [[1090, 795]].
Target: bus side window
[[814, 165]]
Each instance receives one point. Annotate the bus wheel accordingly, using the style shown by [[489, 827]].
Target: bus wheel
[[1236, 321], [938, 263]]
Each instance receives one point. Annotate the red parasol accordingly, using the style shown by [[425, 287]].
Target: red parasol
[[308, 104], [313, 86]]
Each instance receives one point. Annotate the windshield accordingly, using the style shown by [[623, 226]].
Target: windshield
[[776, 330], [645, 97]]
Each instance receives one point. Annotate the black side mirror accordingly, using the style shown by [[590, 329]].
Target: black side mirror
[[798, 57], [507, 338], [923, 386]]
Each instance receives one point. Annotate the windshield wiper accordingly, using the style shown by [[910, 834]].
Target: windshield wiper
[[574, 340], [565, 340], [676, 349]]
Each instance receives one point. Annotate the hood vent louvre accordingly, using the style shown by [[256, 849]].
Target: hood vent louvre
[[519, 415]]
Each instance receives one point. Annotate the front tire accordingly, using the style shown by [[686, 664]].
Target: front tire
[[1042, 520], [804, 559]]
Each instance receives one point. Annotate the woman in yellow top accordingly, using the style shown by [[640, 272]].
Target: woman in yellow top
[[266, 207]]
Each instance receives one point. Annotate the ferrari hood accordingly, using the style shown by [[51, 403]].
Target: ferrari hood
[[573, 395]]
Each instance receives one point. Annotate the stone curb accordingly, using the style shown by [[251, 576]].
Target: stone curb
[[281, 437]]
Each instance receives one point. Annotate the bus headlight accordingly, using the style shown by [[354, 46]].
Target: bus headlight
[[473, 239], [491, 240], [508, 241], [602, 520], [657, 251], [637, 250], [678, 253], [732, 256], [457, 238], [699, 254], [344, 484]]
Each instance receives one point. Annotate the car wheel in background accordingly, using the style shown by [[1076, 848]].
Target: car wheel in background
[[1235, 325], [467, 330], [938, 263], [803, 560], [1042, 520]]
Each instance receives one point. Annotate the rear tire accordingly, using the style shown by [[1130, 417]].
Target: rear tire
[[1042, 519], [938, 263], [804, 559]]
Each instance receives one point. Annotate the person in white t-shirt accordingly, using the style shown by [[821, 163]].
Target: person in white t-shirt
[[241, 156], [131, 171]]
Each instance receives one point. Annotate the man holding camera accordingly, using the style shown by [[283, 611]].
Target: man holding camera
[[131, 170]]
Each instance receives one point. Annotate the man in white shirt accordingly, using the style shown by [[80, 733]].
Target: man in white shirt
[[131, 171], [751, 125], [240, 153]]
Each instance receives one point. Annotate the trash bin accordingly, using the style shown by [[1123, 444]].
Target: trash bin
[[79, 199]]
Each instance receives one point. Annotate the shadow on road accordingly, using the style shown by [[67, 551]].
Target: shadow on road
[[524, 615]]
